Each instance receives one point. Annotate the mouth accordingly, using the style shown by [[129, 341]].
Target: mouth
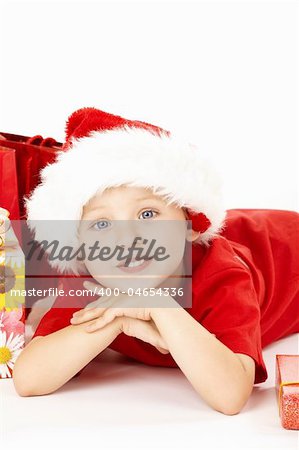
[[135, 265]]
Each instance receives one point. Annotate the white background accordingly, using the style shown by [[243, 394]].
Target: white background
[[223, 73], [117, 403]]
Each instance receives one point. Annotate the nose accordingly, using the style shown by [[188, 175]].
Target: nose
[[126, 232]]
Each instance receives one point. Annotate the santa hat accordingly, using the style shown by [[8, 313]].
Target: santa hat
[[103, 150]]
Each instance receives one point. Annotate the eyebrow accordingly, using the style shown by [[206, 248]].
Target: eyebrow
[[151, 197]]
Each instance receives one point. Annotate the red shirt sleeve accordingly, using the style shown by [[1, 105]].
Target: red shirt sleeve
[[226, 304], [55, 319]]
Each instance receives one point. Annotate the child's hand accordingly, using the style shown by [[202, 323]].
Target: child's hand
[[135, 322], [144, 330], [106, 308]]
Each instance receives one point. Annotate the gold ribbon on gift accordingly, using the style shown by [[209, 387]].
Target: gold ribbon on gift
[[12, 266], [287, 383]]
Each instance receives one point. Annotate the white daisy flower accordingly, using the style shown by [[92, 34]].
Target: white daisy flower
[[9, 351]]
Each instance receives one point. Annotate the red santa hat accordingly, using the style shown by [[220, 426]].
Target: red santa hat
[[103, 150]]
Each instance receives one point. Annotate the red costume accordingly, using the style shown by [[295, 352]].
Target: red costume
[[245, 288]]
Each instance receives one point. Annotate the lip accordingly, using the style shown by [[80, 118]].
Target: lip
[[127, 269]]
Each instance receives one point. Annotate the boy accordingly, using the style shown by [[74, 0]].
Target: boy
[[244, 264]]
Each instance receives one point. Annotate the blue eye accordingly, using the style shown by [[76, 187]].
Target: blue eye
[[101, 227], [148, 211]]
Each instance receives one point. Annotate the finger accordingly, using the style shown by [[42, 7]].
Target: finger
[[103, 298], [97, 305], [91, 311], [142, 330], [100, 302], [87, 315], [97, 324], [109, 315], [162, 347], [108, 300], [162, 350]]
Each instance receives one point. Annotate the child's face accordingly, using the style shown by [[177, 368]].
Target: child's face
[[113, 218]]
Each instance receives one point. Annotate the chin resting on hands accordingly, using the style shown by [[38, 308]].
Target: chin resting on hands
[[135, 322]]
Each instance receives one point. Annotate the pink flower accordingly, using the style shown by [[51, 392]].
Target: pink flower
[[10, 321]]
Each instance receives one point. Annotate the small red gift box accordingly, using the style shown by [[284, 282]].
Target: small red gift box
[[287, 390]]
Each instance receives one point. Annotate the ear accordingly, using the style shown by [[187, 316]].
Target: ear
[[192, 235]]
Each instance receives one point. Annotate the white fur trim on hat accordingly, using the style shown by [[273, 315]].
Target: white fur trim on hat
[[128, 155]]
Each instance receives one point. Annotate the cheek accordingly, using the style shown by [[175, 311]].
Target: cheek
[[98, 268], [174, 235], [175, 243], [176, 250]]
